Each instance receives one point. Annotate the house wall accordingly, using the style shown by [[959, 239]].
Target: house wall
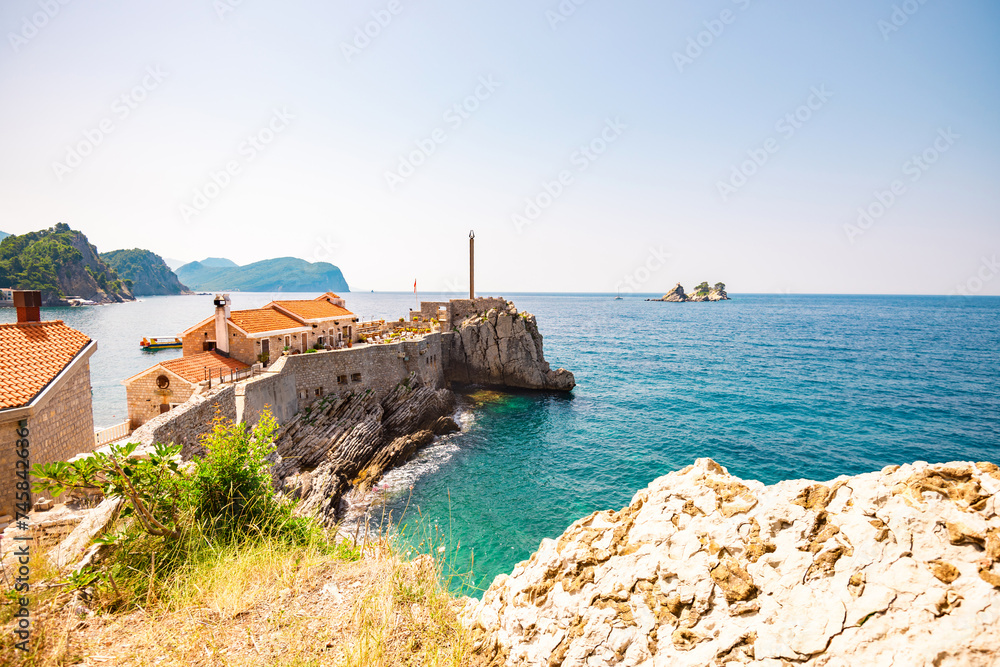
[[193, 343], [60, 427], [459, 309], [185, 424], [144, 397]]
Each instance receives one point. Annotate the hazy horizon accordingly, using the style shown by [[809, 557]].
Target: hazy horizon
[[808, 149]]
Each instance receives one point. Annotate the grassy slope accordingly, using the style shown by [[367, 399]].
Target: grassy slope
[[261, 604]]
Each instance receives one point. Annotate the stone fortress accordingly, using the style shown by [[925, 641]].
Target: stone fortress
[[483, 341]]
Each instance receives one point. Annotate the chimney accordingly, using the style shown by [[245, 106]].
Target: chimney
[[222, 302], [28, 304]]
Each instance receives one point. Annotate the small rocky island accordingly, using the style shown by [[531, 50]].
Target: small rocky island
[[701, 292]]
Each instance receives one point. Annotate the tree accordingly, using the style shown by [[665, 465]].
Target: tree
[[701, 288], [720, 287]]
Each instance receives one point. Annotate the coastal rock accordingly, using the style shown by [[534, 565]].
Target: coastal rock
[[503, 347], [702, 293], [896, 567], [351, 440], [676, 294]]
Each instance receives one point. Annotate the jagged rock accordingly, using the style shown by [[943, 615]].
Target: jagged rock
[[351, 440], [444, 426], [502, 347], [896, 567], [676, 294]]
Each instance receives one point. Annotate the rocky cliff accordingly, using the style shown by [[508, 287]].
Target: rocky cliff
[[59, 262], [502, 347], [898, 567], [146, 270], [350, 440]]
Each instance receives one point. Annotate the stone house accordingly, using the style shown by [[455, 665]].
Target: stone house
[[44, 388], [253, 336], [170, 383]]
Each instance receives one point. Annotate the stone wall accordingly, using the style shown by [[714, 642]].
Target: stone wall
[[144, 397], [272, 390], [61, 426], [185, 424], [459, 309], [377, 367]]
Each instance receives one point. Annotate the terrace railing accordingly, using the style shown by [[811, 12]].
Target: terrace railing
[[105, 435], [222, 375]]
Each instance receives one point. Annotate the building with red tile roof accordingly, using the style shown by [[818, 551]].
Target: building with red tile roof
[[44, 391], [171, 382], [262, 334]]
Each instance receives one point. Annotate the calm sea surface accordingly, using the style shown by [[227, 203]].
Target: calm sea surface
[[772, 387]]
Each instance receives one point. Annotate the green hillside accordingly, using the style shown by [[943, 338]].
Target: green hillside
[[284, 274], [60, 262], [3, 235], [148, 272]]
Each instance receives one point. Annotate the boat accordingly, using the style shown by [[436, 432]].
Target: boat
[[161, 343], [619, 297]]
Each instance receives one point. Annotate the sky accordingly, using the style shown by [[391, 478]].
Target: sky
[[848, 146]]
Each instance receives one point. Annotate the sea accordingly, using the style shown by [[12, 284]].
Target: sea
[[772, 387]]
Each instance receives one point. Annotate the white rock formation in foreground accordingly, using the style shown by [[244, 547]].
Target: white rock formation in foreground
[[894, 568]]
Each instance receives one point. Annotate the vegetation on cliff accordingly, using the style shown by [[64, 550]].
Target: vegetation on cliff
[[59, 262], [284, 274], [208, 565], [149, 274]]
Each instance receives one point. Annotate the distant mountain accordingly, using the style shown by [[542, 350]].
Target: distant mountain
[[173, 264], [219, 263], [147, 271], [60, 262], [3, 235], [285, 274]]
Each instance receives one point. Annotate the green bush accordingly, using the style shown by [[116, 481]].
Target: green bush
[[176, 517]]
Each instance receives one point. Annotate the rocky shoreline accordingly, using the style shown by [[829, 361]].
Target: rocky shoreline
[[900, 566]]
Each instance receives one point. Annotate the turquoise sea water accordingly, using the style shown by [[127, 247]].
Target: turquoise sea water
[[772, 387]]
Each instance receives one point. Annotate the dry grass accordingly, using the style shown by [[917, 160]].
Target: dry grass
[[264, 605]]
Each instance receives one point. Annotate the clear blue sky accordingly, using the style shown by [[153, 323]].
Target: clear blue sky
[[655, 200]]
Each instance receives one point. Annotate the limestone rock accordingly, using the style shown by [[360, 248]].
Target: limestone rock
[[896, 567], [503, 348], [94, 524], [351, 440]]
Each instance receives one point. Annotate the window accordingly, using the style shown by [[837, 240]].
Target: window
[[341, 379], [319, 391], [355, 377]]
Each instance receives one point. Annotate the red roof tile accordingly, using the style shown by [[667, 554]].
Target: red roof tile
[[192, 368], [262, 320], [32, 355], [313, 310]]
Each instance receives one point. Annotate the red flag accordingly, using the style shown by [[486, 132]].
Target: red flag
[[414, 285]]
